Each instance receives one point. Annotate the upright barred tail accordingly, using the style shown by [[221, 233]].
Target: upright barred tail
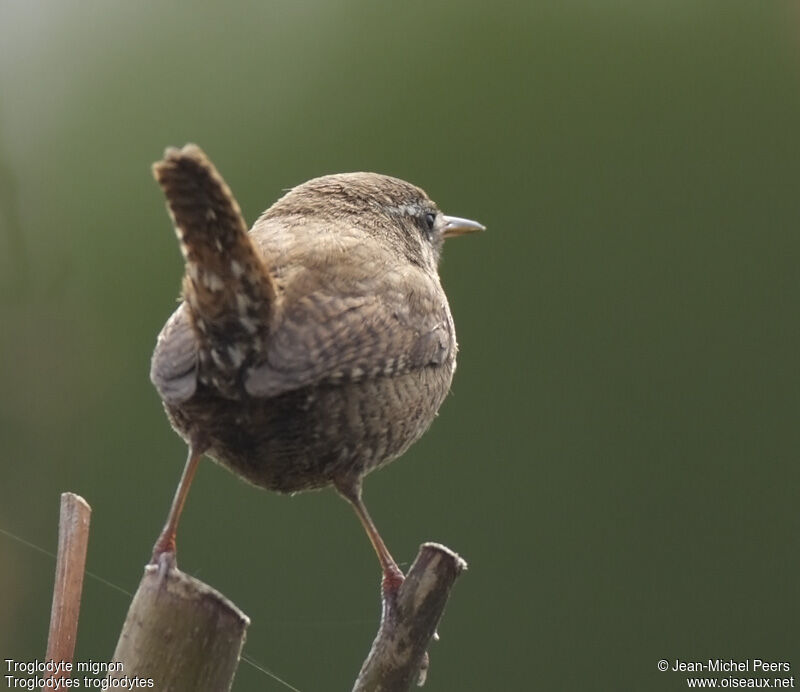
[[226, 286]]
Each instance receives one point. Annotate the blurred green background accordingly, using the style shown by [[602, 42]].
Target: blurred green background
[[618, 458]]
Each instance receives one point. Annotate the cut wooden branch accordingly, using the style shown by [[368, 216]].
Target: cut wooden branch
[[73, 540], [181, 634], [398, 657]]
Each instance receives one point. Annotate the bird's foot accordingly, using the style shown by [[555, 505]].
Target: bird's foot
[[164, 557], [164, 562], [393, 579]]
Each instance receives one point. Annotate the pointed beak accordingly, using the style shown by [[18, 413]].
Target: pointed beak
[[455, 226]]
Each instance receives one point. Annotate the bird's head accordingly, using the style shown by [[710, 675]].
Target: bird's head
[[392, 209]]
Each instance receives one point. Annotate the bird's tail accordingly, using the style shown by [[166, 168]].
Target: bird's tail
[[229, 291]]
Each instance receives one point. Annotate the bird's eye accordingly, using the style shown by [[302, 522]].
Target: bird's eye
[[430, 220]]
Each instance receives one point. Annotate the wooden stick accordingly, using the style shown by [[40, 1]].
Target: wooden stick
[[73, 540], [398, 657], [181, 634]]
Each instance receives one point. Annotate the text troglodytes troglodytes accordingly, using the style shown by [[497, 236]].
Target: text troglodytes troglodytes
[[313, 349]]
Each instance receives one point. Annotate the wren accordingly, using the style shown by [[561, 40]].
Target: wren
[[312, 349]]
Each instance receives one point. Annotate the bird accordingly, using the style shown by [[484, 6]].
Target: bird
[[312, 349]]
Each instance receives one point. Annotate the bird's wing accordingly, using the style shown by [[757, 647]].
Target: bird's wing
[[173, 369], [327, 336]]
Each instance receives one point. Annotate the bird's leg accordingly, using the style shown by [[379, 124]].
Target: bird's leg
[[392, 575], [164, 549]]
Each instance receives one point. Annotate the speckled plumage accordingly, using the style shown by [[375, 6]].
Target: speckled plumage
[[319, 345]]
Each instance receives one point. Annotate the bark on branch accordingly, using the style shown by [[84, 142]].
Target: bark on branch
[[73, 540], [180, 633], [184, 635], [398, 657]]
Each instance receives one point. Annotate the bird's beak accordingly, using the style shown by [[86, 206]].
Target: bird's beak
[[455, 226]]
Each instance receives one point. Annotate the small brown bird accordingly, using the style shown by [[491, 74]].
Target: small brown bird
[[313, 349]]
